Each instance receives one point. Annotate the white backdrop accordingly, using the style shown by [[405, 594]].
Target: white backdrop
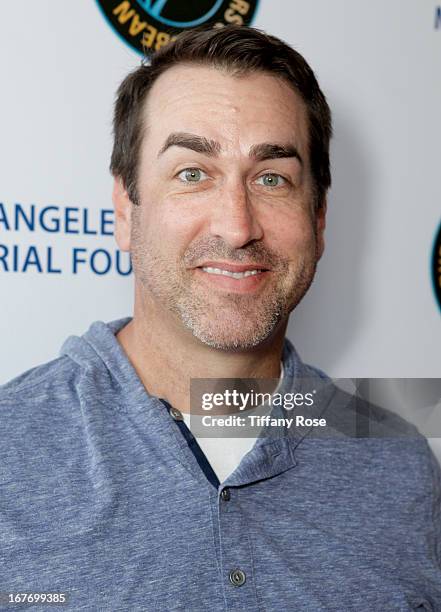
[[372, 310]]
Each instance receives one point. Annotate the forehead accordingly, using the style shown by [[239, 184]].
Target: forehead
[[236, 111]]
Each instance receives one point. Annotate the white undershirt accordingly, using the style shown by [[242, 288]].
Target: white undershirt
[[224, 454]]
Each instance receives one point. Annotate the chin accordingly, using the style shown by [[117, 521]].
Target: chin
[[233, 335]]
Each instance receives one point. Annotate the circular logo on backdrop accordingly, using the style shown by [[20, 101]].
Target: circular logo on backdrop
[[148, 25], [436, 266]]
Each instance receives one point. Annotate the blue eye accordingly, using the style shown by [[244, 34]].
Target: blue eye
[[271, 180], [192, 175]]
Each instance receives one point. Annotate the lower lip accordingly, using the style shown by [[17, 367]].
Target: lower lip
[[247, 284]]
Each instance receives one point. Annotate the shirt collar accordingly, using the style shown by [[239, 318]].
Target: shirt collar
[[100, 352]]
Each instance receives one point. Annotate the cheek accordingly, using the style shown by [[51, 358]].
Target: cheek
[[292, 235], [168, 227], [180, 226]]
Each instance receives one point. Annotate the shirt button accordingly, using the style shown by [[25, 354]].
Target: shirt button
[[176, 414], [237, 577], [225, 494]]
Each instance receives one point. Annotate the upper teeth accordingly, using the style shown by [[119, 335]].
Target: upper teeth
[[232, 274]]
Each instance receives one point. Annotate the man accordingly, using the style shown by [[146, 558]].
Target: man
[[221, 166]]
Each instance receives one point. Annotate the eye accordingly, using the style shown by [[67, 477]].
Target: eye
[[192, 175], [271, 180]]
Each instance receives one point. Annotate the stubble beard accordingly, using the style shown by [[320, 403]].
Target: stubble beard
[[237, 322], [223, 320]]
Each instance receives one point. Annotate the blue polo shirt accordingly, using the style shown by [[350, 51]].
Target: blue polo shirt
[[103, 499]]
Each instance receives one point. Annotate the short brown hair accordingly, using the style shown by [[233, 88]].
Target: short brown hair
[[240, 50]]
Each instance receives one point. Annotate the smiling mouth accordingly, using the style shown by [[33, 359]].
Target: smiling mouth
[[229, 273], [233, 278]]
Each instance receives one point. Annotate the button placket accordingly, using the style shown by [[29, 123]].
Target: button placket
[[176, 414], [237, 577], [225, 494], [236, 552]]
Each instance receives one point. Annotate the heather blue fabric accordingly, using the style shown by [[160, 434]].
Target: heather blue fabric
[[102, 498], [196, 449]]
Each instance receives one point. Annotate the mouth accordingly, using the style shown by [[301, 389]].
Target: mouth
[[223, 267], [240, 278], [220, 271]]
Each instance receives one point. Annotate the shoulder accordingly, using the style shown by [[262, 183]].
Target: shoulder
[[377, 437], [41, 385], [366, 434], [362, 418], [352, 413], [358, 426], [40, 426]]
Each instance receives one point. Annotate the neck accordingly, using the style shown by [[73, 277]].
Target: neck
[[166, 355]]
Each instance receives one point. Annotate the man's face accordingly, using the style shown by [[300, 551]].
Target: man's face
[[225, 239]]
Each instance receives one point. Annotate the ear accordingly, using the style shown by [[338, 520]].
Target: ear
[[320, 219], [123, 214]]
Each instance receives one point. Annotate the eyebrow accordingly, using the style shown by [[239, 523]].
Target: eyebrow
[[200, 144], [192, 142], [266, 150]]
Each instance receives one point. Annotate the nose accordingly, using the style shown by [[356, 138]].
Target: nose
[[233, 218]]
